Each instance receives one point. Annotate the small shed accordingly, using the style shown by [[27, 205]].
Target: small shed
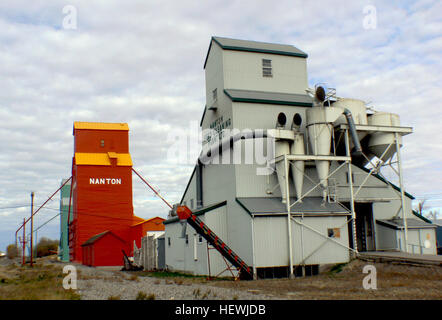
[[104, 249], [421, 235]]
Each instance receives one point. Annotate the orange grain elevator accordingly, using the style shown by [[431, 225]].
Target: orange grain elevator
[[102, 185]]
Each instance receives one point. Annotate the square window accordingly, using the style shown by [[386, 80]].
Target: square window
[[267, 68], [334, 233]]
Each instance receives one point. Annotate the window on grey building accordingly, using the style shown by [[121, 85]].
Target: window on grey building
[[352, 177], [200, 239], [215, 94], [168, 241], [267, 68], [191, 203], [334, 233]]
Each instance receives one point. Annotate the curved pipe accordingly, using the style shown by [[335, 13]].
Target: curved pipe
[[217, 150], [353, 133]]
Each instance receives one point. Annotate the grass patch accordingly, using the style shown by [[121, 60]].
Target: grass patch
[[337, 268], [177, 276], [38, 283], [168, 274], [143, 296]]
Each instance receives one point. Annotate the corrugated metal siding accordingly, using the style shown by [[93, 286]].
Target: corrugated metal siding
[[385, 238], [321, 250], [243, 70], [271, 241]]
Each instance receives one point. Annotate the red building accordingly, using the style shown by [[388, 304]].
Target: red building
[[102, 191], [104, 249]]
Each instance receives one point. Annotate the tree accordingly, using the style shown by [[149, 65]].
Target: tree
[[433, 214], [12, 251], [46, 247], [420, 206]]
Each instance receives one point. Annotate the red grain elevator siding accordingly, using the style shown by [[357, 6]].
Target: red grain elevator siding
[[102, 184]]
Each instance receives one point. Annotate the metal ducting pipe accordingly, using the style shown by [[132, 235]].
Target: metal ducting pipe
[[353, 132], [217, 150]]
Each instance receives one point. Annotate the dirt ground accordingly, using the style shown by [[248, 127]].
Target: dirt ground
[[393, 282], [344, 282]]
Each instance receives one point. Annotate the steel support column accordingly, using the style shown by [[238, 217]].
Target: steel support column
[[401, 185], [352, 200], [289, 222]]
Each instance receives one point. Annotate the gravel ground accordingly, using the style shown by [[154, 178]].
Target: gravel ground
[[99, 284]]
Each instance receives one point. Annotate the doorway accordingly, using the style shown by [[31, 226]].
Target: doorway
[[364, 227]]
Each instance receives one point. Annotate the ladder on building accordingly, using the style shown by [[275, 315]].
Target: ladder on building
[[186, 215]]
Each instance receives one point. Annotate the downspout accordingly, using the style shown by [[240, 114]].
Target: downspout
[[353, 133], [199, 184]]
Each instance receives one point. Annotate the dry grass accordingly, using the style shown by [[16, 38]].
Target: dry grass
[[42, 282], [393, 282]]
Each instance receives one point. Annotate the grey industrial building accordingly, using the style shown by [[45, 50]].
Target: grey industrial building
[[339, 201]]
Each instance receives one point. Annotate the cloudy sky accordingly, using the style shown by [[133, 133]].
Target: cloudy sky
[[141, 62]]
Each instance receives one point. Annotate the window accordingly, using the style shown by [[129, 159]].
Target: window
[[102, 143], [168, 241], [191, 203], [352, 177], [187, 239], [200, 239], [267, 68], [334, 233], [215, 94]]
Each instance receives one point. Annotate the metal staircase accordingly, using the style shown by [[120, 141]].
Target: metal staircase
[[186, 215]]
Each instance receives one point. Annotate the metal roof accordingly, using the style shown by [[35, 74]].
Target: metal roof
[[101, 126], [255, 46], [147, 220], [308, 206], [95, 238], [98, 236], [438, 222], [264, 47], [399, 223], [395, 187], [102, 159], [281, 98]]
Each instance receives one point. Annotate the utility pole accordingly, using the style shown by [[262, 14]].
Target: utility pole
[[24, 243], [32, 227]]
